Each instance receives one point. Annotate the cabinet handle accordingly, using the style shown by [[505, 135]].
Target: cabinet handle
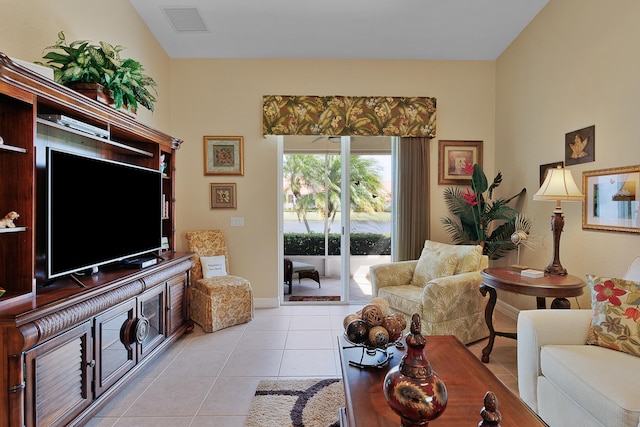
[[134, 330], [142, 329], [17, 388]]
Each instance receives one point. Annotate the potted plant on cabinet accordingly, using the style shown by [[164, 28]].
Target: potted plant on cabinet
[[82, 62]]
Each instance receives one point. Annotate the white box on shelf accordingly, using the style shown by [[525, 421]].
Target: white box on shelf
[[39, 69], [536, 274]]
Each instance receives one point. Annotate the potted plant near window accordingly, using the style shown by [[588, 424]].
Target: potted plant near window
[[477, 215], [82, 64]]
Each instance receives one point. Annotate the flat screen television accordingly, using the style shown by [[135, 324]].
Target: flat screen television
[[99, 212]]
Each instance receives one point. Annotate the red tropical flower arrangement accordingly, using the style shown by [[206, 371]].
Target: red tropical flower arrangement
[[477, 213]]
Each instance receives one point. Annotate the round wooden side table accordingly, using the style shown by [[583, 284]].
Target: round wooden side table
[[509, 279]]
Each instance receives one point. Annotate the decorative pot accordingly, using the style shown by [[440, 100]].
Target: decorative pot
[[94, 91], [99, 93], [412, 389]]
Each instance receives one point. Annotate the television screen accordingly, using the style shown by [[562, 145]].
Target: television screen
[[99, 212]]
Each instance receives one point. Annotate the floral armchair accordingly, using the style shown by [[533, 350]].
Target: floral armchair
[[221, 300], [443, 286]]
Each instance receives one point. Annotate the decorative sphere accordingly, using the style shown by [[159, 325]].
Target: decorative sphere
[[391, 324], [372, 314], [382, 303], [378, 337], [400, 318], [348, 318], [357, 331]]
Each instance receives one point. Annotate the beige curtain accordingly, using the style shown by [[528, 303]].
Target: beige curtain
[[412, 227]]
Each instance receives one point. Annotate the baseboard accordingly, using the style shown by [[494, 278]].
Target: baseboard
[[266, 303], [507, 309]]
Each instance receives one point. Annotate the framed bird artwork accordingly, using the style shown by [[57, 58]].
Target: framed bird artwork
[[580, 146]]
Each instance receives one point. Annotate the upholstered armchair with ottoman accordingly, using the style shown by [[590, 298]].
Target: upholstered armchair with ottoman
[[218, 299], [582, 367], [443, 286]]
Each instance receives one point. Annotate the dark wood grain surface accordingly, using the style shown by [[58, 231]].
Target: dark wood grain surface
[[551, 285], [466, 379]]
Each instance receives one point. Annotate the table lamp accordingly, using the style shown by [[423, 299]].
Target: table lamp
[[558, 185]]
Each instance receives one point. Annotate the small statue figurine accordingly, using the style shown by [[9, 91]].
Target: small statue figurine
[[7, 221], [490, 414]]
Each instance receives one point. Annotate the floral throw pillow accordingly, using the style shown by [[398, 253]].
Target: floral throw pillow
[[616, 314]]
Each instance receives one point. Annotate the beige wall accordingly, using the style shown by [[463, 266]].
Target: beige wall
[[574, 66], [224, 97], [28, 26]]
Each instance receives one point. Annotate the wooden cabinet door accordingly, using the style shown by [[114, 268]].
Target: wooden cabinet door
[[176, 303], [58, 378], [151, 320], [114, 346]]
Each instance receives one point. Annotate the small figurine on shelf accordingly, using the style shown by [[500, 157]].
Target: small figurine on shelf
[[7, 221], [163, 165]]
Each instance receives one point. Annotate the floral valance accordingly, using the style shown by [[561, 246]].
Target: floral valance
[[349, 115]]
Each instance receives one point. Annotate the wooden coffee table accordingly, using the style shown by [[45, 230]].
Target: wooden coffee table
[[466, 378]]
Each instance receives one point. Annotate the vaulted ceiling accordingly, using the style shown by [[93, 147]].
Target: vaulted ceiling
[[337, 29]]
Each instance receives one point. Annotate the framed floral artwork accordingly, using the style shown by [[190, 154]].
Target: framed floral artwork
[[223, 196], [612, 200], [452, 156], [223, 155]]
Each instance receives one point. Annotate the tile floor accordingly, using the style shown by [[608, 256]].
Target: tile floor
[[209, 379]]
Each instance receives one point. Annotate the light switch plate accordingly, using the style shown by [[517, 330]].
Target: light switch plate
[[237, 221]]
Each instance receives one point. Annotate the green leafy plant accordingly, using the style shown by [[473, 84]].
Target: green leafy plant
[[86, 62], [480, 219]]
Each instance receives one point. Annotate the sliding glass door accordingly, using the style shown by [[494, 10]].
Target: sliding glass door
[[336, 216]]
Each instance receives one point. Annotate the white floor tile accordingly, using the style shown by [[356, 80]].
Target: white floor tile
[[310, 323], [217, 373], [309, 340], [308, 363]]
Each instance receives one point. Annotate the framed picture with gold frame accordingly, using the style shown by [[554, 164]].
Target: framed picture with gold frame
[[223, 195], [612, 200], [223, 155], [452, 156]]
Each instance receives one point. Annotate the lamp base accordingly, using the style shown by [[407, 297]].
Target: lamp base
[[556, 269], [557, 224]]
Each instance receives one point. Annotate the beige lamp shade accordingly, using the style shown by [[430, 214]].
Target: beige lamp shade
[[559, 185]]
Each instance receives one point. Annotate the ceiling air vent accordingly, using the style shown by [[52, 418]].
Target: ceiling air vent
[[185, 19]]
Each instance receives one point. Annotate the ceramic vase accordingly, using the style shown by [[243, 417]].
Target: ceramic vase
[[412, 389]]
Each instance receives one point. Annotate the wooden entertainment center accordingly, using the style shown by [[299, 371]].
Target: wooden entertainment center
[[67, 347]]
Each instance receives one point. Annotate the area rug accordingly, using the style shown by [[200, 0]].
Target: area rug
[[315, 298], [297, 403]]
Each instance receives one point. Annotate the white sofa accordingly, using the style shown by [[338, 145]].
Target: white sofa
[[570, 383]]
